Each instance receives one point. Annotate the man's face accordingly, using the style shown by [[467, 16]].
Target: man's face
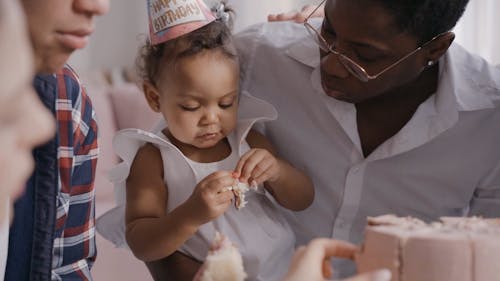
[[59, 27], [366, 33]]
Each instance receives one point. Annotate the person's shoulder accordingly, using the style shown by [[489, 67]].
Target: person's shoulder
[[71, 87], [477, 79], [147, 161], [70, 76], [67, 70], [257, 140]]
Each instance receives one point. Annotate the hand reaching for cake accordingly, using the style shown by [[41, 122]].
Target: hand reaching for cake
[[312, 262]]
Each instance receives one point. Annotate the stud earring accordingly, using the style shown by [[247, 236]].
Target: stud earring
[[430, 63]]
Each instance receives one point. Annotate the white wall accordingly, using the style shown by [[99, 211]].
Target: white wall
[[119, 34], [479, 29]]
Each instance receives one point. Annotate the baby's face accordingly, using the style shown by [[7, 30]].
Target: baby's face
[[24, 121], [199, 98]]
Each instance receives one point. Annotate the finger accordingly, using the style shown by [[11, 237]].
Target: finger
[[259, 169], [379, 275], [249, 166], [327, 269], [224, 198], [300, 18], [333, 248], [272, 17], [266, 170], [287, 16], [242, 161], [216, 175], [262, 178], [220, 185], [262, 167]]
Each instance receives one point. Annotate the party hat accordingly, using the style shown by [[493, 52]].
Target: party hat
[[169, 19]]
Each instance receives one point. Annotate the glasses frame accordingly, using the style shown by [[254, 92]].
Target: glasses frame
[[350, 65]]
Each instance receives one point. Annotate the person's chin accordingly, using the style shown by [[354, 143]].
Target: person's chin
[[339, 95], [53, 63]]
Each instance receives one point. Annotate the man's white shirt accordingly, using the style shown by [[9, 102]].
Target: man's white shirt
[[444, 162]]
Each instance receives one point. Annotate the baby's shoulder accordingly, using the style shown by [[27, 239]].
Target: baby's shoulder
[[147, 161], [255, 139]]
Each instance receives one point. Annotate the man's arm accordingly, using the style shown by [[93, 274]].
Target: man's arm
[[74, 242]]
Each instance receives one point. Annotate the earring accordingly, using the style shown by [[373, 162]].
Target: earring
[[430, 63]]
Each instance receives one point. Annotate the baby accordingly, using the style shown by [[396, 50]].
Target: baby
[[179, 177]]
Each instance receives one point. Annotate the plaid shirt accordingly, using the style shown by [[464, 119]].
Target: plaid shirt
[[74, 249]]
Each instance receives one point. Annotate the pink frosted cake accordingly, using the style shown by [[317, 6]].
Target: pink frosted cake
[[454, 249]]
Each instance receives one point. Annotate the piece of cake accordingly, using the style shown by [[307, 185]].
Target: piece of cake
[[239, 190], [223, 263], [455, 249]]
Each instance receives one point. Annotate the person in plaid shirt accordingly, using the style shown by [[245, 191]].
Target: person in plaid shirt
[[52, 236]]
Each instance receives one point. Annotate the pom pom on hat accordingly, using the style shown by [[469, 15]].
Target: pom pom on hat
[[169, 19]]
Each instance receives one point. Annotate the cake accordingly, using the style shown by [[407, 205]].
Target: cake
[[453, 249], [223, 263], [239, 190]]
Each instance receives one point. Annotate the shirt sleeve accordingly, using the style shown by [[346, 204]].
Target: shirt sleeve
[[74, 240], [486, 198]]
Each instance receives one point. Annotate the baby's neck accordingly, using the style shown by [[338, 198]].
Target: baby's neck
[[215, 153]]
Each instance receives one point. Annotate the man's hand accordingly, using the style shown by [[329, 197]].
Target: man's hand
[[296, 16], [312, 262]]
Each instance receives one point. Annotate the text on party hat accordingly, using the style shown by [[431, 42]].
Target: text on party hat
[[168, 13]]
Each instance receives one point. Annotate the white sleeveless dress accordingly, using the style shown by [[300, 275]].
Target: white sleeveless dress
[[260, 232]]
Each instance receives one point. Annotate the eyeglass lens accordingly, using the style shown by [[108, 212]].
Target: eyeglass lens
[[346, 62]]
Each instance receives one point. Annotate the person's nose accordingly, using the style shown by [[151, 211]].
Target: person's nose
[[92, 7], [332, 66], [210, 116]]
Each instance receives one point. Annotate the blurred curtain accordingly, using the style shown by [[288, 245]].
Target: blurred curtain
[[479, 29]]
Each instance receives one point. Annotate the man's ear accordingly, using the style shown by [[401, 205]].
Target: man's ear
[[152, 95], [438, 47]]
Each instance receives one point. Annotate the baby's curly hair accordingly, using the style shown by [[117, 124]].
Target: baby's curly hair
[[215, 35], [425, 18]]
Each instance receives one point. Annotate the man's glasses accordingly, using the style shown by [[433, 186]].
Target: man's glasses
[[351, 66]]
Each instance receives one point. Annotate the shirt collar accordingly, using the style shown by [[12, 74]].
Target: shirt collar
[[474, 83], [466, 82]]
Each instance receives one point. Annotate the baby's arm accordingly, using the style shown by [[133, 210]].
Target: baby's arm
[[151, 232], [289, 186]]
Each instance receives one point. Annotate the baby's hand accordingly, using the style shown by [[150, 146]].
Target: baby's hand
[[211, 197], [257, 166]]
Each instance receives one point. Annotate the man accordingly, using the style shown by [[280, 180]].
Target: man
[[52, 235], [382, 110]]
